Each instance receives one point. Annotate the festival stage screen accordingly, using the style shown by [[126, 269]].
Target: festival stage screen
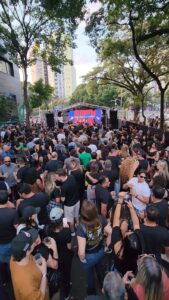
[[85, 116]]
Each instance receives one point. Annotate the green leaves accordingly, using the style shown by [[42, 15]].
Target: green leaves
[[94, 93], [32, 29], [127, 31], [40, 93]]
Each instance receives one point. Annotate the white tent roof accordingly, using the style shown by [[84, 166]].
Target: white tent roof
[[78, 105]]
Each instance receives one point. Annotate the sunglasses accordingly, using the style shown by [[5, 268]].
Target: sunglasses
[[7, 161], [142, 176], [146, 255]]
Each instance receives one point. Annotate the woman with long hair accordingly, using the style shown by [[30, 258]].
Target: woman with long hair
[[124, 151], [90, 237], [162, 168], [52, 190], [50, 184], [161, 175], [152, 153], [127, 169], [151, 282]]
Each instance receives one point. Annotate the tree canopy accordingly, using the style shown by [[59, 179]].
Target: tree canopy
[[40, 93], [94, 93], [36, 28], [146, 25]]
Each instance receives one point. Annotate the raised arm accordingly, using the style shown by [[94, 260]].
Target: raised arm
[[116, 219], [134, 217]]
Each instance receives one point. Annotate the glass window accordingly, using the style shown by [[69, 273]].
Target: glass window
[[6, 67], [3, 66]]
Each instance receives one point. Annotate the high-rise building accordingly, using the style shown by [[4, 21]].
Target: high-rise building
[[64, 83], [69, 75], [38, 71]]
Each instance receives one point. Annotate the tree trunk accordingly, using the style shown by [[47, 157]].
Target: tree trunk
[[142, 110], [136, 113], [25, 95], [162, 93]]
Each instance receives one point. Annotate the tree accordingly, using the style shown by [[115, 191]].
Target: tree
[[31, 28], [80, 94], [8, 108], [96, 94], [146, 25], [120, 68], [40, 93]]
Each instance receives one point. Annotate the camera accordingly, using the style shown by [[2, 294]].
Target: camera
[[127, 198]]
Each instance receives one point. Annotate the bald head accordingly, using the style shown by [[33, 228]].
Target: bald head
[[54, 155]]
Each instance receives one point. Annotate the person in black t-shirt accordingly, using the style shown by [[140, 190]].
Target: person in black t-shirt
[[108, 172], [104, 199], [161, 204], [28, 174], [70, 197], [54, 164], [8, 221], [28, 198], [156, 237], [61, 233], [77, 171], [115, 159]]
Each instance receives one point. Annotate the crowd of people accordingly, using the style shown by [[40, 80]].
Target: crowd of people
[[89, 192]]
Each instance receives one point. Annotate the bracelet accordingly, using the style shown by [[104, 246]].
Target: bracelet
[[119, 203], [44, 275]]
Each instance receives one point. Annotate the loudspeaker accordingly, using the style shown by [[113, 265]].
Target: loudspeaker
[[113, 119], [103, 119], [50, 120]]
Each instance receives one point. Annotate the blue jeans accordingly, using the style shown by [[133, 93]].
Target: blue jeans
[[93, 262], [116, 189], [5, 253]]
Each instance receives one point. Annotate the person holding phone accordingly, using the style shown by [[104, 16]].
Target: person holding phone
[[28, 275], [126, 243]]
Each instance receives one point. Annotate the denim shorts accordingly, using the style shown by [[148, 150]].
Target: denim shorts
[[5, 253]]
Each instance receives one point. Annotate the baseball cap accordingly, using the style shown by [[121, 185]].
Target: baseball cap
[[23, 241], [29, 211], [56, 214]]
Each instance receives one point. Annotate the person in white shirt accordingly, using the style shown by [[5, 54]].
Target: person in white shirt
[[139, 190], [61, 135], [93, 147]]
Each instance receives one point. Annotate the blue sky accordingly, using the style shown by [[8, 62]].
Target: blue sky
[[84, 55]]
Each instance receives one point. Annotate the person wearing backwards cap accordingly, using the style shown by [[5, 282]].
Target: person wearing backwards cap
[[28, 277], [60, 232]]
